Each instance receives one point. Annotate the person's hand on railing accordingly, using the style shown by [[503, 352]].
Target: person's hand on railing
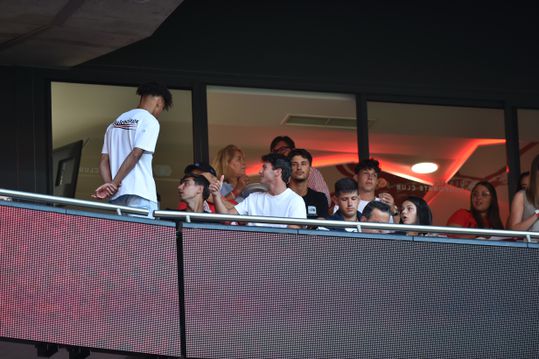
[[105, 191]]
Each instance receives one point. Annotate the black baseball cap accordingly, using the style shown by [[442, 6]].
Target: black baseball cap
[[201, 166]]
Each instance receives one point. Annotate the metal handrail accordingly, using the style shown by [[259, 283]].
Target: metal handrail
[[214, 217], [43, 198], [342, 224]]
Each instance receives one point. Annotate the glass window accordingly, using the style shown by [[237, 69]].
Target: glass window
[[83, 112], [467, 144], [322, 123]]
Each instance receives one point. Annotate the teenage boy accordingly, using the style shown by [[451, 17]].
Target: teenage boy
[[194, 191], [347, 199]]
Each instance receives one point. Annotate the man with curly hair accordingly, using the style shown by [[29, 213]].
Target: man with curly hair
[[125, 165]]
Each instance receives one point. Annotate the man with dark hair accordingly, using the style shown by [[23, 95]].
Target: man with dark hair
[[278, 201], [203, 169], [194, 191], [367, 173], [126, 158], [347, 199], [376, 212], [283, 145], [315, 202]]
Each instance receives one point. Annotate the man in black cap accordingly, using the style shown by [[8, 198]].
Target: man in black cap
[[201, 168]]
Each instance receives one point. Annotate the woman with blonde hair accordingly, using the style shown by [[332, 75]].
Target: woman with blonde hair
[[230, 162], [525, 206]]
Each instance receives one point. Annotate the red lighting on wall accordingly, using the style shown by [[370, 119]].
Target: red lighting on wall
[[454, 162], [318, 161]]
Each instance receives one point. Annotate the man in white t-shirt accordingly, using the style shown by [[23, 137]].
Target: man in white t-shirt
[[278, 201], [126, 158]]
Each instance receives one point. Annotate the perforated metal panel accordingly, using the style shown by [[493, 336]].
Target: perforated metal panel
[[88, 282], [267, 295]]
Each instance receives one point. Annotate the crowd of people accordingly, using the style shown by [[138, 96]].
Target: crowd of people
[[290, 187], [354, 199]]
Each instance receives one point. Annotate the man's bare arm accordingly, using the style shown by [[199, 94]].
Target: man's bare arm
[[220, 207], [294, 226], [107, 189], [128, 164], [110, 187], [104, 168]]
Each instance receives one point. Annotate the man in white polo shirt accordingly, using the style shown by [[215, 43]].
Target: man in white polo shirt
[[278, 201], [126, 158]]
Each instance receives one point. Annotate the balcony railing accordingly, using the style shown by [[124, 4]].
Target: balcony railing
[[310, 223]]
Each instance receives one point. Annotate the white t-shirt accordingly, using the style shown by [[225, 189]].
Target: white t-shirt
[[134, 128], [287, 204]]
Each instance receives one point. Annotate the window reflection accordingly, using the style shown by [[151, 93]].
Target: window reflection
[[467, 144]]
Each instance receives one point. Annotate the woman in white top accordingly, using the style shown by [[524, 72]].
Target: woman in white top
[[525, 206]]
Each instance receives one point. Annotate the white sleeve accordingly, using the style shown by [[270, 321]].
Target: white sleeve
[[297, 209], [146, 135], [105, 150], [243, 206]]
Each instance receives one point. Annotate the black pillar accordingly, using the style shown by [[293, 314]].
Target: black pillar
[[512, 149], [362, 132], [200, 123]]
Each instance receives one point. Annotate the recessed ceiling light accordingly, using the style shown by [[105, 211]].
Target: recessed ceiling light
[[425, 167]]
